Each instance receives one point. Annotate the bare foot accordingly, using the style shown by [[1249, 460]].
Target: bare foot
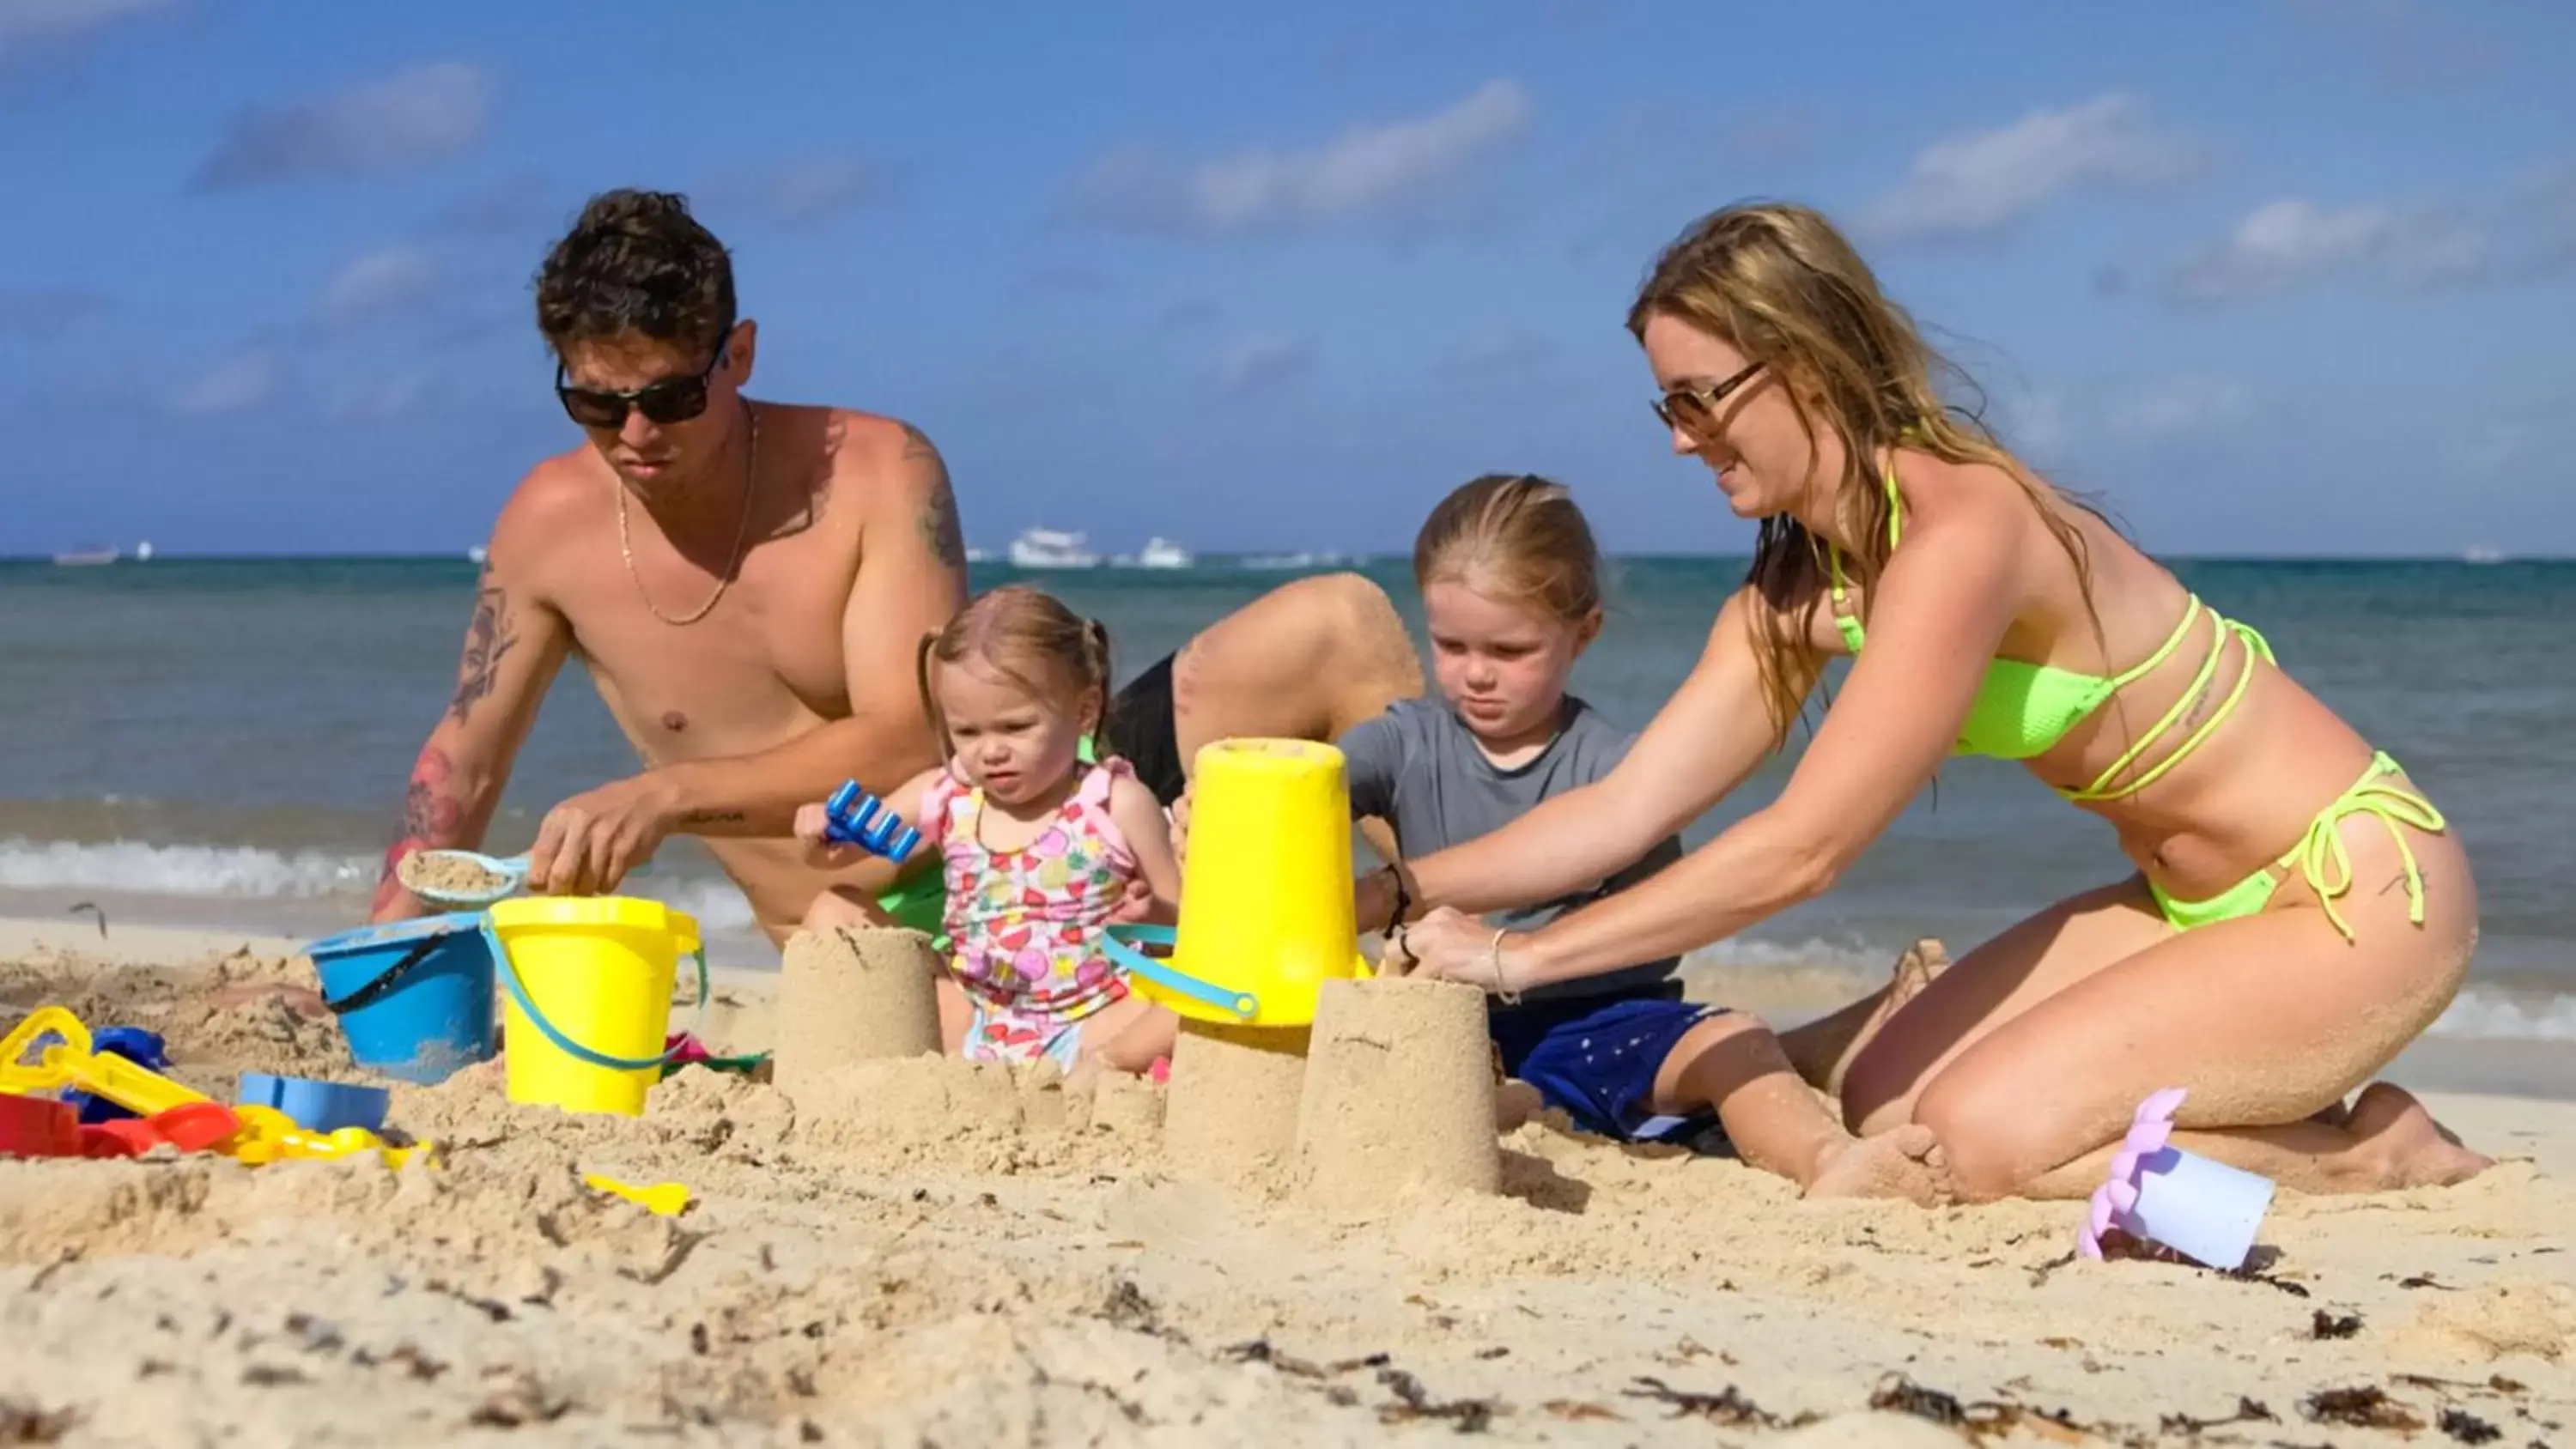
[[2411, 1148], [1902, 1162]]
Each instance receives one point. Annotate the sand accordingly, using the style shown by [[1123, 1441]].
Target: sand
[[1399, 1098], [445, 873], [966, 1255], [854, 995], [1231, 1114]]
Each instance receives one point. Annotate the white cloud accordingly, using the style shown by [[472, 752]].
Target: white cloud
[[509, 207], [28, 24], [40, 316], [2039, 425], [1981, 183], [379, 399], [803, 192], [381, 284], [1497, 358], [1366, 168], [2293, 241], [235, 385], [2179, 406], [1259, 361], [408, 119], [2501, 447]]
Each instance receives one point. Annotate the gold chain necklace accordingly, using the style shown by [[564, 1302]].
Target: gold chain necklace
[[741, 530]]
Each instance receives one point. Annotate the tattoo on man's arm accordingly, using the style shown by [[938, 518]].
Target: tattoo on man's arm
[[430, 818], [713, 817], [941, 530], [487, 638]]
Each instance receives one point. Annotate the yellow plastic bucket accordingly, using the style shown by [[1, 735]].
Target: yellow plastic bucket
[[1266, 912], [587, 996]]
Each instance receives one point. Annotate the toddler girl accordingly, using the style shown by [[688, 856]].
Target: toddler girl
[[1038, 842]]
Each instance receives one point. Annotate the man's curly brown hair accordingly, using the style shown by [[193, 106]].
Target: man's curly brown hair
[[636, 262]]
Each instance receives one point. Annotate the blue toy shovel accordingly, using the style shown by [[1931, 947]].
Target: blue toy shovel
[[861, 819]]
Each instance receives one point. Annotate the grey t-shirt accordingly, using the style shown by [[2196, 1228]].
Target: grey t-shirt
[[1419, 769]]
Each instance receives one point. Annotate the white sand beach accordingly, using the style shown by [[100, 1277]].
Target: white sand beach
[[968, 1257]]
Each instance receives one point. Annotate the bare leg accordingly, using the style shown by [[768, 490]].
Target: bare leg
[[2386, 1141], [1822, 1050], [1128, 1037], [1990, 986], [1733, 1064], [1306, 661], [2265, 1020]]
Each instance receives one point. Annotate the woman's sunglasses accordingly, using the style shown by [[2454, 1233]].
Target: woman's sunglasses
[[1694, 409], [672, 400]]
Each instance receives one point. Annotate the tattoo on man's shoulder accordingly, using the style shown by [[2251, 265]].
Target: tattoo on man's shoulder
[[487, 638], [941, 531]]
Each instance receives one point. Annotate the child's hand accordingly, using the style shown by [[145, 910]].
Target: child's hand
[[1136, 907], [812, 821]]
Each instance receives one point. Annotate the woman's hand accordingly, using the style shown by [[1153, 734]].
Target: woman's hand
[[1447, 945], [1181, 826]]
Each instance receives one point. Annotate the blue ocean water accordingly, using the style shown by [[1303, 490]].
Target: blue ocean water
[[228, 739]]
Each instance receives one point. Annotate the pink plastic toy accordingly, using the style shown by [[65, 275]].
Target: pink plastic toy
[[2205, 1210]]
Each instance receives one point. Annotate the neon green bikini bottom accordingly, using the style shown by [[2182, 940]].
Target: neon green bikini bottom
[[2320, 855]]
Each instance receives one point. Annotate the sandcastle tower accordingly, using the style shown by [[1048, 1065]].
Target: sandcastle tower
[[1266, 929], [1399, 1094], [852, 995], [1265, 919]]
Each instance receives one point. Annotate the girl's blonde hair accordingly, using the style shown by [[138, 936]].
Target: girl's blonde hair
[[1517, 537], [1777, 282], [1031, 639]]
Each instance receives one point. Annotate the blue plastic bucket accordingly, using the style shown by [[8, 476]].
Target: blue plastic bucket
[[414, 998]]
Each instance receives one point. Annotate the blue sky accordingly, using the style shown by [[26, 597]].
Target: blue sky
[[2281, 276]]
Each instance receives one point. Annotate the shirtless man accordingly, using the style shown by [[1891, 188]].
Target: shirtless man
[[748, 583]]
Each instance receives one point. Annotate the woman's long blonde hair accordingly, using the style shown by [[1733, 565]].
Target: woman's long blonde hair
[[1777, 282]]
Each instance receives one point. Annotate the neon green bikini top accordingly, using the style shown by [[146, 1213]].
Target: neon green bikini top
[[2023, 709]]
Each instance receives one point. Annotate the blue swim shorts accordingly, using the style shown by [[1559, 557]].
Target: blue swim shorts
[[1595, 1057]]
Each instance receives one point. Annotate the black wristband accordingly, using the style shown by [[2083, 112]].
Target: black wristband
[[1403, 897]]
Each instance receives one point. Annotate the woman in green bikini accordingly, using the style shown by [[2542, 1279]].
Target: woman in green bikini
[[2300, 911]]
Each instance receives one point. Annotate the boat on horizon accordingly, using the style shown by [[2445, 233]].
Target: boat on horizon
[[2483, 553], [1158, 553], [1047, 548], [88, 557]]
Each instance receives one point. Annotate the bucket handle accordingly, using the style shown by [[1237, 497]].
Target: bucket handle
[[574, 1049], [385, 980], [1114, 944]]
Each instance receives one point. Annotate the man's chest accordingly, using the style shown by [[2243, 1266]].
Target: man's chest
[[767, 654]]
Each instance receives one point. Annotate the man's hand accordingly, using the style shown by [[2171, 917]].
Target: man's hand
[[586, 845]]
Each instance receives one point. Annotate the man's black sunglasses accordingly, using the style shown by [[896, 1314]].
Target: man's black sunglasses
[[672, 400]]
